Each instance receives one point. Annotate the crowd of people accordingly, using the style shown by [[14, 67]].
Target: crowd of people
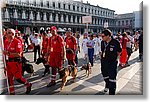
[[56, 48]]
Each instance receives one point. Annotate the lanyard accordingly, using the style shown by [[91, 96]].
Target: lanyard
[[9, 45], [105, 46]]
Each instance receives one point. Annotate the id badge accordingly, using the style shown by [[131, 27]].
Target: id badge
[[51, 49], [104, 54], [6, 57]]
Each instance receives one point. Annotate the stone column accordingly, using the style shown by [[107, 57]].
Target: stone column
[[56, 20], [76, 19], [79, 8], [61, 5], [97, 21], [87, 10], [67, 18], [6, 14], [45, 18], [15, 14], [51, 17], [56, 4], [66, 6], [80, 20], [75, 7], [93, 20], [38, 16], [71, 6], [50, 3], [71, 19], [62, 18], [23, 15], [31, 15], [83, 8]]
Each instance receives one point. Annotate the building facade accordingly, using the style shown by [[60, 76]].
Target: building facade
[[129, 21], [34, 15]]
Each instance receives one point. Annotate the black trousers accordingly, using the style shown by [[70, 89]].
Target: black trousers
[[36, 49], [27, 43], [109, 72], [140, 51]]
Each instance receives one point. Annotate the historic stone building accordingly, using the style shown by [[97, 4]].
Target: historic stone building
[[129, 21], [34, 15]]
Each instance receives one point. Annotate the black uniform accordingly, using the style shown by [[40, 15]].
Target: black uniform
[[109, 63], [141, 46]]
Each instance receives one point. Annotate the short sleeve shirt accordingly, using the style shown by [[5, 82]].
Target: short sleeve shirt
[[111, 50], [14, 46]]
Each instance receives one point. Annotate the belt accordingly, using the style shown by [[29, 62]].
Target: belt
[[14, 60]]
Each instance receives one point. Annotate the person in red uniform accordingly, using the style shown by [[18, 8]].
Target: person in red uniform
[[19, 37], [56, 53], [123, 56], [13, 53], [71, 47], [44, 44], [44, 52]]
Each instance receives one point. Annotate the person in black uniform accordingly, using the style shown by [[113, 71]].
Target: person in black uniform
[[110, 50], [141, 46]]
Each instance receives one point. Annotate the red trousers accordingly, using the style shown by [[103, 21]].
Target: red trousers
[[14, 70], [55, 60], [123, 57], [70, 56]]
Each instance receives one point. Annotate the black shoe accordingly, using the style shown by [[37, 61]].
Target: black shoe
[[51, 84], [12, 93], [29, 89], [48, 72]]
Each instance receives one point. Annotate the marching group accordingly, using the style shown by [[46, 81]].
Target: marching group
[[55, 48]]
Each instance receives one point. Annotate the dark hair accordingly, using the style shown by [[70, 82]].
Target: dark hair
[[124, 34], [91, 35], [128, 33], [107, 32], [44, 34]]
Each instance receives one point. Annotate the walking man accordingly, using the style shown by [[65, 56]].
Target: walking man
[[110, 51], [13, 52], [56, 54]]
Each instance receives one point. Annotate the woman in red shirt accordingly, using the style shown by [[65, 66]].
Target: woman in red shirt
[[123, 56]]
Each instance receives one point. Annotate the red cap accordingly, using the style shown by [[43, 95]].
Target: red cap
[[53, 28], [16, 31]]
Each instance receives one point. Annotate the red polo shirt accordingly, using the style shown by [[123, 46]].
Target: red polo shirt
[[56, 44], [45, 43], [71, 42], [14, 46]]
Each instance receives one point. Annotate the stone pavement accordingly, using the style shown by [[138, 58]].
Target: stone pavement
[[129, 80]]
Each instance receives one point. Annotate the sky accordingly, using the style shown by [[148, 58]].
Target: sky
[[120, 6]]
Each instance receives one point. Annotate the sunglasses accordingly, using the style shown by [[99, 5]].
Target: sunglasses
[[9, 33]]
